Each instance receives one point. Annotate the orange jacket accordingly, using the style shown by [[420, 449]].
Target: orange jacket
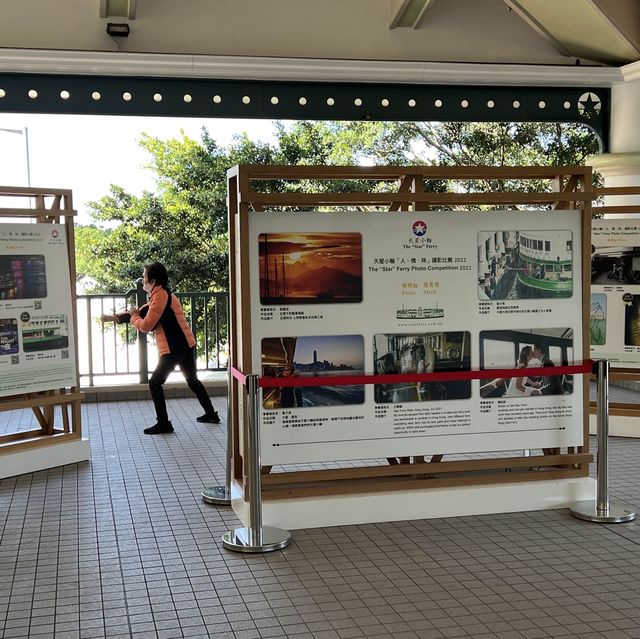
[[156, 305]]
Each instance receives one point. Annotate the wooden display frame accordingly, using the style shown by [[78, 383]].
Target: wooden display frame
[[570, 188], [45, 206], [619, 373]]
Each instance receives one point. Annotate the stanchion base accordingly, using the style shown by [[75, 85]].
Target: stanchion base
[[617, 513], [217, 495], [240, 540]]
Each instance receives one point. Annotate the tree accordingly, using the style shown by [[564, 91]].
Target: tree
[[450, 144], [184, 222]]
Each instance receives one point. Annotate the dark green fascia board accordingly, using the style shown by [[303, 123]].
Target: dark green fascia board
[[586, 105]]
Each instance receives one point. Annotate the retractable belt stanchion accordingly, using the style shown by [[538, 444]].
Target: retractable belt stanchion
[[602, 510], [221, 495], [255, 537]]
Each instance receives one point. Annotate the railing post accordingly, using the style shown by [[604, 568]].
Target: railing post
[[255, 537], [143, 362], [89, 321], [221, 495], [602, 510]]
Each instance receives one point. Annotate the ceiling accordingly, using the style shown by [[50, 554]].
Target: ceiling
[[532, 32]]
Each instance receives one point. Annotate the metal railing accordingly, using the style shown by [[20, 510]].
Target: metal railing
[[119, 352]]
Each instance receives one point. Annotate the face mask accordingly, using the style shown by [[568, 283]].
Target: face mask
[[148, 287]]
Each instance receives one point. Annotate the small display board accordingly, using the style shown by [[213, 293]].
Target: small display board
[[36, 319], [615, 291]]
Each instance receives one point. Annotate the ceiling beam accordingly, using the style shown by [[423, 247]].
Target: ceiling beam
[[617, 24], [167, 65], [539, 28], [595, 30], [408, 13]]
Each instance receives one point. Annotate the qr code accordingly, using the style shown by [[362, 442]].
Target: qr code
[[37, 305], [15, 359], [64, 354]]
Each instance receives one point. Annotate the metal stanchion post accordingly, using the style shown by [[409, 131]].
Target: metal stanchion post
[[602, 510], [255, 537], [221, 495]]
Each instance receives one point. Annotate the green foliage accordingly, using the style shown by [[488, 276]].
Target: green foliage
[[184, 222]]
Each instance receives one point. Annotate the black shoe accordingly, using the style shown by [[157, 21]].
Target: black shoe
[[159, 429], [207, 418]]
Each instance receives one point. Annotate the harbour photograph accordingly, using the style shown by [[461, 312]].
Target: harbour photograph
[[312, 356], [310, 268]]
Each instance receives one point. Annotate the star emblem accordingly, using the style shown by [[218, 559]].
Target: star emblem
[[419, 228], [589, 104]]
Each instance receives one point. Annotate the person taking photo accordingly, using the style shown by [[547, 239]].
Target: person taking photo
[[163, 315]]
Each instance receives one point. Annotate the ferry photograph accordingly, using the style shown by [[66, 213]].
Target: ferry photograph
[[436, 352], [310, 268], [312, 356], [525, 264], [526, 350], [45, 333]]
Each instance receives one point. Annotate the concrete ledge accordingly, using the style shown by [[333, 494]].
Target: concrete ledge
[[32, 460], [457, 501], [619, 426], [137, 392]]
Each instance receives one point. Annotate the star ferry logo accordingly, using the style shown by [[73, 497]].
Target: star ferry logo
[[589, 104], [419, 228]]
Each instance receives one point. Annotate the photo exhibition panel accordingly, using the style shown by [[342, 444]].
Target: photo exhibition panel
[[615, 292], [36, 331], [345, 293]]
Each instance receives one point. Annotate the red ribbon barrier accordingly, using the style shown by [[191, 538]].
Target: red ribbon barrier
[[241, 377], [398, 378]]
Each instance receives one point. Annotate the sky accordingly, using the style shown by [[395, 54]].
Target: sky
[[87, 153]]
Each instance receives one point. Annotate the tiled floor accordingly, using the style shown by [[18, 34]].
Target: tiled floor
[[124, 547]]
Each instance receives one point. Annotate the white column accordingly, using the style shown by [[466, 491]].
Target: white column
[[621, 166]]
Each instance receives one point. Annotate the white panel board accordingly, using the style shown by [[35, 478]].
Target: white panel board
[[351, 292]]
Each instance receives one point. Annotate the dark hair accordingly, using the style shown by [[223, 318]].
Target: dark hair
[[540, 347], [158, 273], [525, 351]]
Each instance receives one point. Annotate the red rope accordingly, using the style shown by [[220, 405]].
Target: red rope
[[241, 377], [398, 378]]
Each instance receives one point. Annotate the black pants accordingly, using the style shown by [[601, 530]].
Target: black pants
[[187, 364]]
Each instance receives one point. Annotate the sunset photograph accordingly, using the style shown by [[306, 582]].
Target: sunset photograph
[[310, 268]]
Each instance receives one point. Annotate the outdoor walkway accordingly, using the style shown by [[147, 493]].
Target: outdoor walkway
[[124, 547]]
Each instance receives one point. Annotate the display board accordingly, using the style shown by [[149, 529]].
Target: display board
[[615, 291], [346, 293], [37, 350]]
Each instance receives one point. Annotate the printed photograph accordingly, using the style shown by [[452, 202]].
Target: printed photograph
[[9, 336], [318, 356], [515, 265], [632, 321], [22, 277], [615, 265], [45, 333], [598, 319], [526, 349], [421, 353], [310, 268]]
